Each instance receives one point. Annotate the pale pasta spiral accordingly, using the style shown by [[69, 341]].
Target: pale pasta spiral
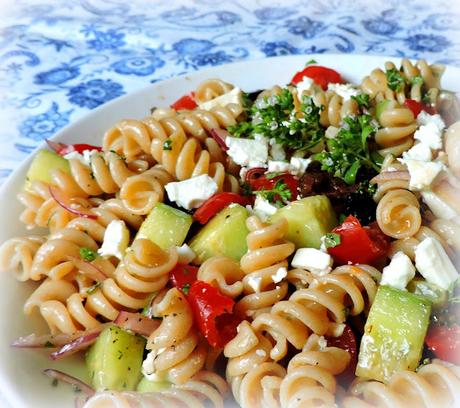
[[177, 351], [267, 254], [211, 88], [433, 385], [334, 108]]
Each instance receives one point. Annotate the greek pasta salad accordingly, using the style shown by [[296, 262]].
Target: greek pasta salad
[[296, 246]]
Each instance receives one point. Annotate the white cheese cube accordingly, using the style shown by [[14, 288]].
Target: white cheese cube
[[420, 151], [248, 152], [434, 264], [399, 272], [255, 282], [116, 240], [263, 208], [331, 132], [186, 254], [280, 274], [148, 367], [299, 165], [278, 166], [422, 174], [303, 86], [438, 206], [424, 118], [234, 96], [346, 91], [84, 158], [429, 135], [193, 192], [313, 260], [276, 150]]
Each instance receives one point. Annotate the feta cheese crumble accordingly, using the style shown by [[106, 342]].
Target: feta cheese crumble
[[313, 260], [276, 150], [434, 264], [248, 152], [234, 96], [346, 91], [422, 174], [298, 165], [263, 208], [116, 240], [399, 272], [186, 254], [84, 158], [278, 166], [420, 151], [279, 275], [255, 283], [303, 86], [193, 192]]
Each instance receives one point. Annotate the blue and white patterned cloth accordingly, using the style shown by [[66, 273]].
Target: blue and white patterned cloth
[[60, 59]]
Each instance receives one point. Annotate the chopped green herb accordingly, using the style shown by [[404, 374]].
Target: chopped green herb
[[48, 344], [272, 174], [93, 288], [331, 240], [279, 194], [349, 150], [417, 80], [186, 288], [87, 254], [275, 117], [167, 145], [311, 62], [362, 100], [395, 79], [426, 99]]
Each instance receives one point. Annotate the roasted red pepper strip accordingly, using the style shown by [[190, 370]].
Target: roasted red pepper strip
[[323, 76], [417, 107], [213, 313], [185, 102], [444, 342], [359, 244], [215, 204], [183, 276], [258, 180], [62, 149]]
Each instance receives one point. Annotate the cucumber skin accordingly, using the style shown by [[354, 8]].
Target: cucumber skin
[[41, 166], [146, 385], [394, 334], [114, 361]]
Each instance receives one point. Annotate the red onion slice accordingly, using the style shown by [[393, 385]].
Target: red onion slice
[[66, 202], [390, 175], [219, 135], [137, 323], [76, 345], [88, 269], [56, 146], [68, 379]]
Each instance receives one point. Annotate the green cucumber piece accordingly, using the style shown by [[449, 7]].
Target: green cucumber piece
[[394, 334], [165, 226], [225, 234], [436, 295], [309, 219], [41, 166], [115, 360], [146, 385]]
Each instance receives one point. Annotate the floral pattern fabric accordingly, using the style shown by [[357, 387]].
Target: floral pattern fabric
[[60, 59]]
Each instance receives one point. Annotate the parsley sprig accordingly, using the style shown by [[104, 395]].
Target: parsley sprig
[[349, 150], [280, 194], [275, 117], [87, 254], [396, 80]]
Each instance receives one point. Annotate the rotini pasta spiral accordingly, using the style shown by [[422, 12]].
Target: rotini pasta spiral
[[17, 254], [205, 389], [334, 107], [177, 352], [210, 89], [433, 385], [267, 254], [141, 192]]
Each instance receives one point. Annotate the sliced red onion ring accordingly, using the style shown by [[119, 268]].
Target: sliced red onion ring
[[66, 202], [137, 323], [68, 379], [56, 146], [390, 175], [76, 345], [52, 340], [219, 135], [88, 269]]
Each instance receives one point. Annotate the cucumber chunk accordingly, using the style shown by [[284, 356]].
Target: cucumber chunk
[[41, 166], [436, 295], [115, 360], [394, 334], [309, 219], [146, 385], [165, 226], [225, 234]]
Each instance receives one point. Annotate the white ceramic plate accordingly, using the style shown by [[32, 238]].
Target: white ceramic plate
[[21, 380]]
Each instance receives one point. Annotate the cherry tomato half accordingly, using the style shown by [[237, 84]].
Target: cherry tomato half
[[323, 76], [417, 107], [183, 276], [444, 342], [186, 102]]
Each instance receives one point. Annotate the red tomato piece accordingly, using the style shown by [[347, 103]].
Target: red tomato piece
[[213, 313], [359, 244], [185, 102], [417, 107], [347, 341], [257, 180], [183, 276], [323, 76], [444, 342], [62, 149], [215, 204]]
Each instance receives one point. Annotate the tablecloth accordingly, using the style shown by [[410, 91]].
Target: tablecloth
[[60, 59]]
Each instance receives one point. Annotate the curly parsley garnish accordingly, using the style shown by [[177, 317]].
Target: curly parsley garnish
[[395, 80], [280, 194], [362, 100], [331, 240], [167, 145], [87, 254], [275, 117], [349, 150]]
